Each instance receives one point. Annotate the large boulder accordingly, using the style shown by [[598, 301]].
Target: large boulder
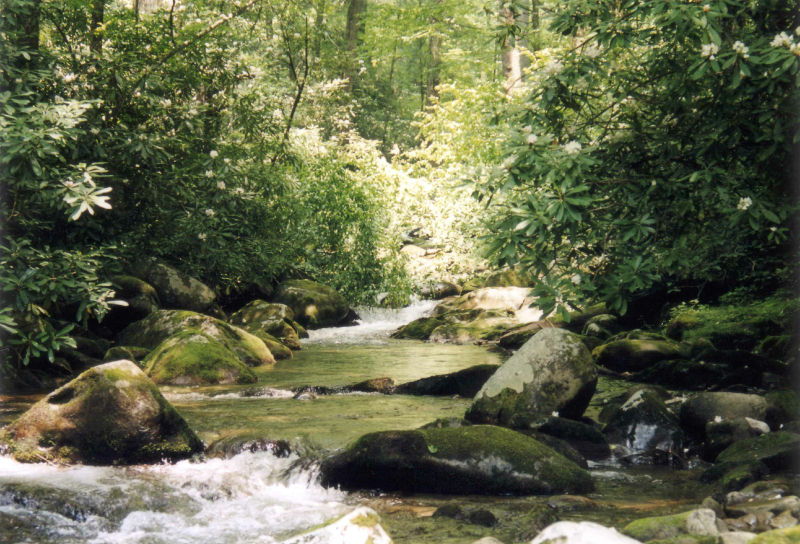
[[269, 321], [703, 408], [552, 372], [645, 430], [176, 289], [515, 299], [192, 357], [110, 414], [315, 305], [478, 459], [701, 521], [439, 290], [158, 326], [464, 383], [581, 532], [473, 326], [141, 297]]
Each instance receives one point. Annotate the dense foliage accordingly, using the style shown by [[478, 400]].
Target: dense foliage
[[654, 148]]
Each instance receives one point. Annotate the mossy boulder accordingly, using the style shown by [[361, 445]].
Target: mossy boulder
[[260, 310], [483, 327], [132, 353], [514, 299], [646, 431], [585, 438], [699, 410], [439, 290], [191, 357], [278, 349], [464, 383], [515, 337], [419, 329], [479, 459], [274, 320], [141, 297], [176, 289], [629, 355], [700, 522], [552, 372], [696, 375], [790, 535], [110, 414], [601, 326], [778, 451], [158, 326], [723, 433], [783, 406], [315, 305]]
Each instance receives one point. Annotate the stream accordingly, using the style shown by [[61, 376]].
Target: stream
[[257, 497]]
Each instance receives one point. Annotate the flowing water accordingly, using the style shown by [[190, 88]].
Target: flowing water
[[257, 497]]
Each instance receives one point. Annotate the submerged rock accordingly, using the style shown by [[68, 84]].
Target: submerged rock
[[192, 357], [465, 383], [478, 459], [110, 414], [314, 305], [158, 326], [552, 372]]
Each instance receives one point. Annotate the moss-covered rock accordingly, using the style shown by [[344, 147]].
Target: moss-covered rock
[[790, 535], [132, 353], [483, 327], [783, 406], [439, 290], [272, 323], [176, 289], [191, 357], [477, 459], [260, 310], [552, 372], [696, 375], [141, 298], [778, 451], [633, 355], [419, 329], [601, 326], [589, 441], [465, 383], [723, 433], [695, 522], [515, 337], [513, 299], [696, 412], [315, 305], [158, 326], [110, 414], [278, 349]]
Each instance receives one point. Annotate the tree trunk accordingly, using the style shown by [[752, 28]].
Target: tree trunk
[[435, 51], [511, 58], [96, 38], [356, 11]]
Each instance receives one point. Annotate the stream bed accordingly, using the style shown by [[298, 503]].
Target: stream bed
[[257, 497]]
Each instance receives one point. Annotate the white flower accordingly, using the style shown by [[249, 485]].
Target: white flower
[[741, 49], [744, 203], [210, 212], [795, 49], [221, 185], [527, 129], [213, 154], [781, 40], [593, 51], [797, 31], [576, 279], [553, 68], [209, 173], [572, 148], [202, 236], [706, 8], [709, 50], [554, 414], [226, 160], [509, 162], [69, 78], [238, 191], [717, 419], [531, 138]]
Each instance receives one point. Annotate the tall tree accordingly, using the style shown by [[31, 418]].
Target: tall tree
[[354, 30]]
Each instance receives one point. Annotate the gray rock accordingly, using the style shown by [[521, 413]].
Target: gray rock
[[176, 289], [703, 408], [581, 532], [552, 372]]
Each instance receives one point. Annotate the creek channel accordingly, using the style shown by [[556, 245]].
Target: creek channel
[[258, 497]]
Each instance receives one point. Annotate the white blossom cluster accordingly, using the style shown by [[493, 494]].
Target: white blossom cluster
[[709, 51]]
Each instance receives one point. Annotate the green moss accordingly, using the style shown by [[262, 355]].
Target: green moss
[[191, 357], [659, 527], [790, 535], [688, 539], [131, 353], [419, 329], [783, 406], [776, 450], [275, 346], [366, 520]]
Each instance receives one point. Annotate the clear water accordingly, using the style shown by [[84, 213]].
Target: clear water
[[258, 498]]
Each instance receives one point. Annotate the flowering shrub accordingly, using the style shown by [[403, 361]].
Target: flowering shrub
[[654, 149]]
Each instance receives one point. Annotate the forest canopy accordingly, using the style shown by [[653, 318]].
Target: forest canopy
[[602, 147]]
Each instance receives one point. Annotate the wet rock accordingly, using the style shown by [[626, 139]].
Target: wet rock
[[279, 350], [514, 338], [581, 532], [556, 444], [783, 406], [601, 326], [571, 503], [110, 414], [734, 476], [475, 516], [280, 330], [176, 289], [315, 305], [589, 442], [439, 290], [703, 408], [696, 375], [514, 299], [191, 357], [477, 459], [473, 326], [721, 434], [633, 355], [465, 383], [775, 506], [646, 430], [778, 451], [361, 526], [158, 326], [552, 372], [233, 444], [419, 329], [257, 310], [695, 522]]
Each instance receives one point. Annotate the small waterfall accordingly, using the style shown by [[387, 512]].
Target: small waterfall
[[252, 497], [375, 325]]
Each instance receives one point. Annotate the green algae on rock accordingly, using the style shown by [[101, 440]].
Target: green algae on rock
[[479, 459], [110, 414], [552, 372], [701, 522], [192, 357], [158, 326]]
